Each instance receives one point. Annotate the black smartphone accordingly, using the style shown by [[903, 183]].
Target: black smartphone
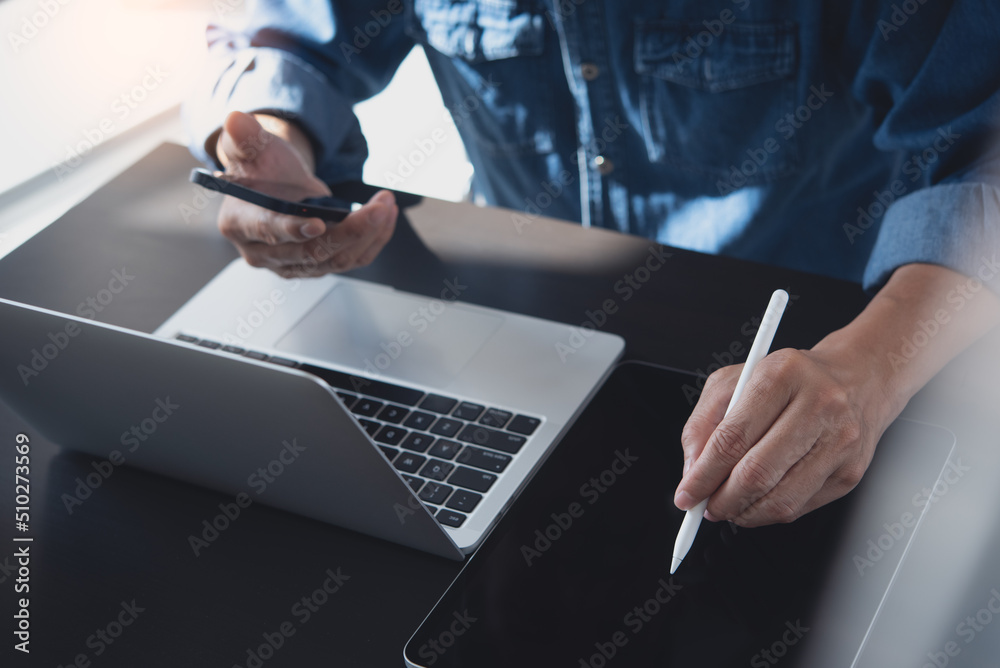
[[312, 207]]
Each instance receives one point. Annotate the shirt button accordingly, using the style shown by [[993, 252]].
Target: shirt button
[[589, 71], [604, 165]]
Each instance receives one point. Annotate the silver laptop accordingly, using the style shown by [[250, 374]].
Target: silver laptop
[[409, 418]]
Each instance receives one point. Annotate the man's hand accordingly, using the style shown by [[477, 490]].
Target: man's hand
[[805, 429], [801, 436], [292, 246]]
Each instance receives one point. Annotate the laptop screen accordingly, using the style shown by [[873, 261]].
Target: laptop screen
[[577, 572]]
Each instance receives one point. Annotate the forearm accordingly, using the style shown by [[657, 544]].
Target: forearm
[[922, 318]]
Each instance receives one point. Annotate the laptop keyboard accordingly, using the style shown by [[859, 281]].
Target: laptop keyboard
[[450, 452]]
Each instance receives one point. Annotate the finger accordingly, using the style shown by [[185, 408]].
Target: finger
[[382, 237], [843, 479], [353, 243], [831, 490], [763, 400], [308, 260], [381, 213], [786, 446], [708, 412], [799, 495], [787, 500], [355, 235], [242, 139], [301, 256], [244, 223]]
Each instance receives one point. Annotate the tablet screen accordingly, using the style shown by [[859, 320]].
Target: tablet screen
[[577, 573]]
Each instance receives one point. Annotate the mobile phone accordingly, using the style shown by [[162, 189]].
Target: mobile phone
[[312, 207]]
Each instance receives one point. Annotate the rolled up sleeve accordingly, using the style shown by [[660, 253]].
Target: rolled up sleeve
[[273, 81], [933, 86], [956, 225], [300, 61]]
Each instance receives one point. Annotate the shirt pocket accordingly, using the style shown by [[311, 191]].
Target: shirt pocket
[[491, 51], [709, 103]]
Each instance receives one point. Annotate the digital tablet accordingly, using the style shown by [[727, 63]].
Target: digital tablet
[[577, 573]]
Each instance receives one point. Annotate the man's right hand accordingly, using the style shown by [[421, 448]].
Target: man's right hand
[[292, 246]]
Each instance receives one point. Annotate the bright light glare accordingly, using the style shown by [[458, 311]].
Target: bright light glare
[[78, 73]]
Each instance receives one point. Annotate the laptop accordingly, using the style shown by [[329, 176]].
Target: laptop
[[410, 418]]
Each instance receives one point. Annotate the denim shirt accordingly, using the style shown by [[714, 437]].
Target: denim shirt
[[839, 137]]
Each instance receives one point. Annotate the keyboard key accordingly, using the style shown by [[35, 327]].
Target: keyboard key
[[523, 424], [414, 482], [435, 403], [348, 399], [391, 435], [236, 350], [367, 407], [371, 427], [409, 463], [418, 420], [495, 418], [435, 493], [467, 411], [389, 453], [484, 459], [436, 469], [418, 442], [254, 355], [213, 345], [396, 394], [445, 449], [479, 481], [446, 427], [464, 500], [490, 438], [281, 361], [186, 339], [450, 518], [393, 414]]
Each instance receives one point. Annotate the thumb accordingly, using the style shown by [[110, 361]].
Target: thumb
[[242, 139]]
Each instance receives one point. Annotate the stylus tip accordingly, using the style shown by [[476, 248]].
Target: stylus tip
[[675, 564]]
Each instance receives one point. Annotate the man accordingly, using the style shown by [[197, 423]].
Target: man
[[855, 139]]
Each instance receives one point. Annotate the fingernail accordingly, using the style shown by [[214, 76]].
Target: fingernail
[[380, 214], [683, 501], [710, 517], [687, 465], [311, 229], [385, 197]]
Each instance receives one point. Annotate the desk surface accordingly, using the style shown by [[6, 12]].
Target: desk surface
[[124, 552]]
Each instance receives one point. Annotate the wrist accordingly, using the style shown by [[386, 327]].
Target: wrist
[[908, 332], [859, 356]]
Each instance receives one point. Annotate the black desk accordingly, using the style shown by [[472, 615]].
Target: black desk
[[129, 541]]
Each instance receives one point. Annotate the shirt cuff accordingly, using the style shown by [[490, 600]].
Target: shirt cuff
[[953, 225], [274, 81]]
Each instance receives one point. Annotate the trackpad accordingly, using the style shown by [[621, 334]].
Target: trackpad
[[383, 332]]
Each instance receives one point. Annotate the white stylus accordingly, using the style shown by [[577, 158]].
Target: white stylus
[[761, 344]]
